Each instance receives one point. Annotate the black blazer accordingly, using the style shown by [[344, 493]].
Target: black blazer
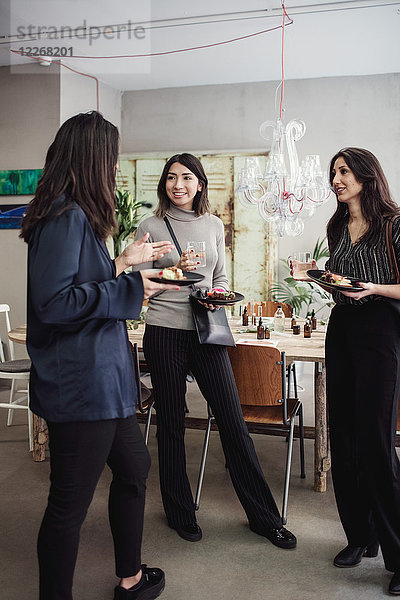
[[82, 366]]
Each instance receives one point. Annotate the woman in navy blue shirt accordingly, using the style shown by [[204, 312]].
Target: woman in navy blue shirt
[[82, 378]]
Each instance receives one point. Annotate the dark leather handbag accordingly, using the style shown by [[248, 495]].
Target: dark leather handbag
[[211, 325]]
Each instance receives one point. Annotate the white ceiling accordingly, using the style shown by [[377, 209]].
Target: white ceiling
[[352, 37]]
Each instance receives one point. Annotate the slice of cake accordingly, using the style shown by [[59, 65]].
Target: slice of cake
[[172, 273]]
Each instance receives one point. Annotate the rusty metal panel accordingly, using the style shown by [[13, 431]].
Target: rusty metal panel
[[220, 190], [148, 172], [126, 175], [254, 246]]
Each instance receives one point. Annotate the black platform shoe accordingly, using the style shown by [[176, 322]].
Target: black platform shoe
[[149, 587], [351, 555], [394, 586]]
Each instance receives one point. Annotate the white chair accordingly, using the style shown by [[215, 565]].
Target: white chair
[[15, 370]]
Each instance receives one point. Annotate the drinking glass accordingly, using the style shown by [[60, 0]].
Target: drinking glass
[[300, 263], [197, 253]]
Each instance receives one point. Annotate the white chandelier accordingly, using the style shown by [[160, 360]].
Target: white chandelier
[[284, 196]]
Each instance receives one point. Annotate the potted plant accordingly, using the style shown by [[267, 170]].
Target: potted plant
[[303, 295], [128, 216]]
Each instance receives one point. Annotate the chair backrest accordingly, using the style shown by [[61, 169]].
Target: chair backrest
[[259, 373], [5, 309], [268, 308]]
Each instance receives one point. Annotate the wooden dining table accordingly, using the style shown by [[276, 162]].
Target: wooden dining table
[[296, 347]]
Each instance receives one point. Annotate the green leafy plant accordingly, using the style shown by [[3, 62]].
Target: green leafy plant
[[128, 216], [134, 323], [303, 295]]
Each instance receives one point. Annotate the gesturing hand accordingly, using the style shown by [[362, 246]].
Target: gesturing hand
[[141, 251]]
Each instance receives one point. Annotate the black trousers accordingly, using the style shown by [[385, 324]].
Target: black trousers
[[171, 353], [363, 385], [78, 454]]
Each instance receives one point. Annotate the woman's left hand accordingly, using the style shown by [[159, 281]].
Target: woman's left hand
[[369, 289], [141, 251]]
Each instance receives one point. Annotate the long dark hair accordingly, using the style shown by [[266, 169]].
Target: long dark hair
[[376, 202], [201, 205], [81, 162]]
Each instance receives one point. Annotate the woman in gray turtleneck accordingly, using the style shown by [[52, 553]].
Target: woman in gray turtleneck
[[172, 348]]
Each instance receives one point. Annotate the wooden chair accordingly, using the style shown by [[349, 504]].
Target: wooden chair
[[260, 375], [145, 394], [268, 308], [15, 370]]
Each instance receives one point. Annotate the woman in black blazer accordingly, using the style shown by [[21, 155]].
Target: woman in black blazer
[[82, 378]]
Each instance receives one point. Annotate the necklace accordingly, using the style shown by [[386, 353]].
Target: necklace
[[355, 236]]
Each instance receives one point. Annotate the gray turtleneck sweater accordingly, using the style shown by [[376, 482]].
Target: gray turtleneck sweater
[[172, 309]]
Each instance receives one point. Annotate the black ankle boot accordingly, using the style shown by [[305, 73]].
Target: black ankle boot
[[351, 555]]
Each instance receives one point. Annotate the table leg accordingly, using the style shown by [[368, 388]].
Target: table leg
[[39, 438], [322, 462]]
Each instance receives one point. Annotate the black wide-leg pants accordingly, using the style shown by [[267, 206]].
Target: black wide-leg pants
[[78, 454], [363, 385], [170, 354]]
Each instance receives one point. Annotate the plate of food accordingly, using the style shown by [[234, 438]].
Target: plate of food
[[333, 281], [217, 296], [176, 276]]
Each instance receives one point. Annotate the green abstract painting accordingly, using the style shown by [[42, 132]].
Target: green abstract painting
[[19, 181]]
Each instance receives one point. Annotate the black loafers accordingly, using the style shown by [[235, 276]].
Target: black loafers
[[394, 586], [149, 587], [190, 533], [351, 555], [283, 538]]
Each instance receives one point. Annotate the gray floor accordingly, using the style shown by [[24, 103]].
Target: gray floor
[[230, 562]]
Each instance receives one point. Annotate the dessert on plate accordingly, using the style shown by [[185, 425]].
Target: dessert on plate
[[172, 273]]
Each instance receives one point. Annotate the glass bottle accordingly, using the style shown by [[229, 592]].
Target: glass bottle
[[313, 321], [245, 316], [260, 330], [279, 320], [293, 321], [307, 328], [267, 333]]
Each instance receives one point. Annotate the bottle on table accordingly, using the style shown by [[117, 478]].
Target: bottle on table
[[293, 321], [245, 316], [267, 333], [260, 330], [313, 321], [279, 320], [307, 328]]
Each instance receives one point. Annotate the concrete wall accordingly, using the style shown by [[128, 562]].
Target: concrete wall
[[32, 107], [29, 117], [78, 94], [338, 111]]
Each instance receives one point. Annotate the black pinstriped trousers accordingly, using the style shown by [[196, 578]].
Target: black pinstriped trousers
[[363, 385], [170, 354]]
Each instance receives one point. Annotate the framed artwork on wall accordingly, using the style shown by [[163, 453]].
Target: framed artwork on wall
[[18, 182], [11, 215]]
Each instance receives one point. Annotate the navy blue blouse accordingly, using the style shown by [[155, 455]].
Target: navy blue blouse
[[82, 366]]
